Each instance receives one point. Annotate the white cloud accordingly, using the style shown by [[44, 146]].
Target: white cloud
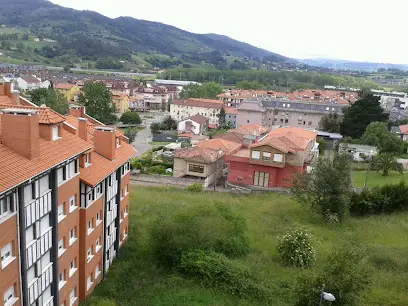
[[360, 30]]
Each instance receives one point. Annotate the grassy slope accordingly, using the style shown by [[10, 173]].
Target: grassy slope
[[376, 179], [135, 279]]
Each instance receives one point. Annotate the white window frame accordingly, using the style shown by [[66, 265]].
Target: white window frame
[[61, 249], [5, 207], [55, 136], [89, 255], [7, 255], [72, 297], [89, 282], [88, 160], [98, 218], [256, 155], [72, 236], [72, 267], [278, 158], [9, 297], [72, 204], [98, 245], [266, 156], [97, 271], [90, 227], [62, 280], [63, 215]]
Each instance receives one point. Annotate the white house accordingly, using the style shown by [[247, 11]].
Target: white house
[[183, 109], [196, 124], [359, 152], [29, 82]]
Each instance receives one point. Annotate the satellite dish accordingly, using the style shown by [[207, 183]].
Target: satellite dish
[[329, 297]]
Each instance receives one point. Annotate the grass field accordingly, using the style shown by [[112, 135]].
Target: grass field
[[376, 179], [136, 279], [158, 143]]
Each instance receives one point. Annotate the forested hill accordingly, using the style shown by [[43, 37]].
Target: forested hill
[[87, 34]]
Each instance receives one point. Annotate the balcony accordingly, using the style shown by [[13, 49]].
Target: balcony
[[36, 209], [110, 240], [111, 215], [112, 190], [39, 284], [39, 247]]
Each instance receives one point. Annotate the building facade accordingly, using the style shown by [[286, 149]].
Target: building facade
[[197, 125], [64, 193], [70, 91], [182, 109]]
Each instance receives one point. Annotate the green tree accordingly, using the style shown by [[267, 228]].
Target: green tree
[[51, 98], [221, 119], [208, 90], [130, 118], [360, 114], [330, 123], [385, 163], [131, 134], [377, 134], [155, 128], [344, 274], [20, 46], [98, 102], [67, 68], [327, 188], [249, 85], [168, 124]]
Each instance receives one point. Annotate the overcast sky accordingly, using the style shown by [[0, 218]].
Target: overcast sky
[[361, 30]]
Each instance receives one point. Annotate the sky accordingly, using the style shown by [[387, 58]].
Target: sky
[[360, 30]]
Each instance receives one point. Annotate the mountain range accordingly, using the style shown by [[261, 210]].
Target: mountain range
[[90, 34], [351, 65]]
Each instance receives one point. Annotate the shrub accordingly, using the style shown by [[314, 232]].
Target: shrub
[[138, 165], [344, 275], [157, 170], [295, 249], [217, 271], [384, 199], [206, 227], [195, 187]]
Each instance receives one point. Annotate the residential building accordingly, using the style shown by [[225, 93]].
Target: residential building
[[30, 82], [196, 124], [231, 116], [358, 152], [401, 130], [121, 101], [271, 161], [64, 193], [182, 109], [156, 97], [304, 114], [70, 91]]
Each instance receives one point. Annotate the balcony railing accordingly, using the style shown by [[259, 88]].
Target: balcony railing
[[39, 207], [111, 215], [39, 284], [39, 247], [112, 190], [110, 240]]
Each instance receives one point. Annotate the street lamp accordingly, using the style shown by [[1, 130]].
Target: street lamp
[[326, 296]]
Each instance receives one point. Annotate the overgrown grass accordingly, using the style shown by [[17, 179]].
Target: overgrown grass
[[376, 179], [136, 278], [158, 143]]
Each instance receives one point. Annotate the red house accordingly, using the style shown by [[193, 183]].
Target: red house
[[272, 160]]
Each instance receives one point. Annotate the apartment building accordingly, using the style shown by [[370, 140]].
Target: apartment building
[[270, 112], [64, 193], [182, 109]]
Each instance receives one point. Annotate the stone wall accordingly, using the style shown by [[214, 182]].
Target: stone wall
[[165, 180]]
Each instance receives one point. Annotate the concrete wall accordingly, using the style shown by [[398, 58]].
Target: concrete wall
[[248, 117], [291, 117], [180, 112], [165, 180], [195, 127]]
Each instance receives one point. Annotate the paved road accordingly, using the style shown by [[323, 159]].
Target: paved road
[[142, 140]]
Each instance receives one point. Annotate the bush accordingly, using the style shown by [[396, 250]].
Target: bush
[[195, 187], [295, 249], [138, 166], [206, 227], [344, 275], [157, 170], [384, 199], [217, 271]]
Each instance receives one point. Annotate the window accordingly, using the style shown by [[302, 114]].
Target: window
[[89, 255], [55, 133], [89, 282], [90, 227], [196, 168], [266, 156], [286, 120], [126, 189], [87, 160], [118, 142], [256, 155], [97, 271], [72, 205], [61, 213], [72, 268], [310, 123], [72, 236], [72, 297], [9, 297], [98, 245], [7, 255], [277, 158], [62, 280], [6, 206], [98, 218], [125, 211], [261, 179], [61, 248]]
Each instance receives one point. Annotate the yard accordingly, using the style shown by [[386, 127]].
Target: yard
[[376, 179], [136, 279]]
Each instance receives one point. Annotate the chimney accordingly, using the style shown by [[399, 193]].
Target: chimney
[[76, 110], [82, 128], [20, 131], [15, 97], [7, 88], [105, 141]]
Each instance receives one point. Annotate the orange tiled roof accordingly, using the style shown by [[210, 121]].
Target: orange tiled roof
[[250, 129], [207, 103], [72, 120], [231, 110], [47, 115], [218, 143], [66, 86], [101, 167], [404, 129], [198, 154], [288, 139], [16, 169]]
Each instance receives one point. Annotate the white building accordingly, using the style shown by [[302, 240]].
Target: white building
[[29, 82], [182, 109], [196, 124], [359, 152]]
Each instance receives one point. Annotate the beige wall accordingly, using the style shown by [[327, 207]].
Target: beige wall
[[181, 166], [180, 112], [292, 117], [249, 117]]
